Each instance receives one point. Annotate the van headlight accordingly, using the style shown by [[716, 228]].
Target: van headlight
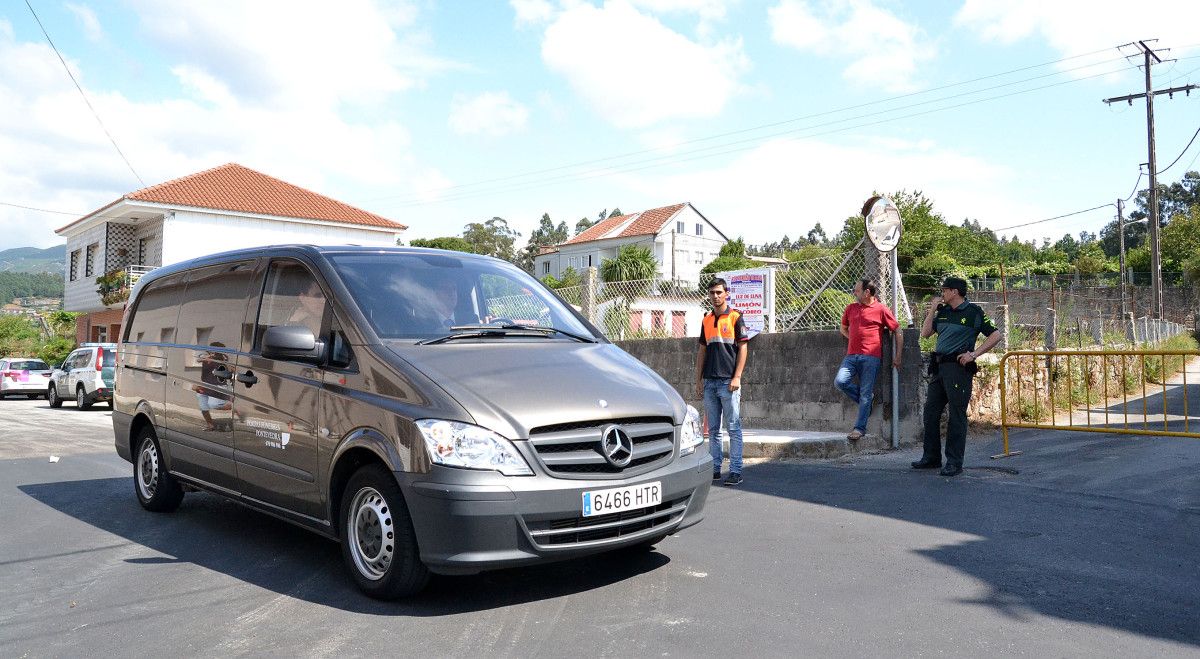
[[457, 444], [692, 434]]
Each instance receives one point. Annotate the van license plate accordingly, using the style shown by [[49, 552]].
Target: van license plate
[[618, 499]]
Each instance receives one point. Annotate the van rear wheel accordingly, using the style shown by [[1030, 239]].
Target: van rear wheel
[[378, 542], [157, 490]]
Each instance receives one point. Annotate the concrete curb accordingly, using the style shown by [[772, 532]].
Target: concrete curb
[[784, 444]]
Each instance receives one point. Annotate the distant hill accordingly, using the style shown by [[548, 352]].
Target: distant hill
[[32, 259]]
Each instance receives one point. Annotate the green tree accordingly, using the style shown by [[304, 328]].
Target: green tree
[[1175, 198], [18, 336], [453, 243], [492, 238], [816, 235], [570, 278], [632, 263], [1181, 241], [1090, 260], [546, 235]]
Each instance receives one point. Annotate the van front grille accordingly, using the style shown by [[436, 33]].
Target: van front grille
[[583, 530], [574, 450]]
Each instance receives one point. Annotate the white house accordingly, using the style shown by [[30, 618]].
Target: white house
[[682, 240], [228, 207]]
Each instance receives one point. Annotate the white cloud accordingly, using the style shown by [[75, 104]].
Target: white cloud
[[634, 71], [533, 12], [784, 187], [883, 50], [87, 18], [489, 113], [54, 156], [284, 53], [1075, 27]]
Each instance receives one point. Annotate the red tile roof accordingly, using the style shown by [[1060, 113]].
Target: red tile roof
[[646, 222], [233, 187]]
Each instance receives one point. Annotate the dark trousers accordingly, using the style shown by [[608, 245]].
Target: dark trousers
[[950, 385]]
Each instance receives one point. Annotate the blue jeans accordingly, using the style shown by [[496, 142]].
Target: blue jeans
[[722, 404], [865, 368]]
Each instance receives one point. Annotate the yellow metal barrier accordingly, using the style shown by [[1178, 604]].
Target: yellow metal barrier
[[1132, 369]]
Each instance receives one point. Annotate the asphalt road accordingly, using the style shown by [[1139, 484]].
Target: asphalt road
[[1088, 549]]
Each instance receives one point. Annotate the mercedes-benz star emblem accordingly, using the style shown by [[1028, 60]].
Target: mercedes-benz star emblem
[[616, 446]]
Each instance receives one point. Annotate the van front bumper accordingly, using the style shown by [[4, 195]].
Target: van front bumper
[[464, 526]]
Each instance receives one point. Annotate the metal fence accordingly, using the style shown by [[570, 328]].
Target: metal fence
[[811, 294]]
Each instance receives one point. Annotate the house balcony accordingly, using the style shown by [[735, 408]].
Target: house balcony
[[106, 259]]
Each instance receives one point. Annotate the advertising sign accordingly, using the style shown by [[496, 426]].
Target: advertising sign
[[752, 292]]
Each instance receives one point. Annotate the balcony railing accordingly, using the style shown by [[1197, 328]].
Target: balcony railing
[[134, 272]]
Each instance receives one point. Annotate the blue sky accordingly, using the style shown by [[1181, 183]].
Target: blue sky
[[439, 114]]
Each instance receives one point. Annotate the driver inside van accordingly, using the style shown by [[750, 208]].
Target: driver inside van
[[310, 308]]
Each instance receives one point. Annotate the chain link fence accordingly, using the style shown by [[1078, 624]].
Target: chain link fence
[[811, 294]]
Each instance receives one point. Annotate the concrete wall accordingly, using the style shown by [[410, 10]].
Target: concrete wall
[[788, 382]]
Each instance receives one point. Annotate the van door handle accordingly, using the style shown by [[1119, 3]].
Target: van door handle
[[248, 378]]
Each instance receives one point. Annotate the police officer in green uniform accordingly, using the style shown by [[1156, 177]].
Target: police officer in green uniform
[[957, 324]]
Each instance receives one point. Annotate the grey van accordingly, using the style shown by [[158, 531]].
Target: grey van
[[433, 411]]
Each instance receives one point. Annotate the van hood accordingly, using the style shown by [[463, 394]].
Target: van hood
[[512, 386]]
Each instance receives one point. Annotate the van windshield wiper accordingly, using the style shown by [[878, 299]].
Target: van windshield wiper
[[479, 331]]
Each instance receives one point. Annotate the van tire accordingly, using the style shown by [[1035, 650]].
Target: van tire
[[82, 400], [156, 489], [379, 545], [52, 397]]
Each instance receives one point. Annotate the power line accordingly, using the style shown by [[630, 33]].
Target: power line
[[1056, 217], [40, 210], [85, 98], [1135, 184], [676, 145], [1185, 150], [660, 161]]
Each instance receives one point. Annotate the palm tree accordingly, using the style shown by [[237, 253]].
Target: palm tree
[[633, 263], [627, 277]]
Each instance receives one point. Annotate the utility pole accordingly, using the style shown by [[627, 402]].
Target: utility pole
[[1121, 272], [1156, 300]]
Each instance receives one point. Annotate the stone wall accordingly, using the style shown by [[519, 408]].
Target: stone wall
[[788, 382], [1029, 306]]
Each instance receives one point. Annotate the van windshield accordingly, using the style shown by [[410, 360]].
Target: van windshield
[[419, 296]]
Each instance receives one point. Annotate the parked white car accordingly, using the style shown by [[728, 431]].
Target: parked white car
[[23, 375], [85, 375]]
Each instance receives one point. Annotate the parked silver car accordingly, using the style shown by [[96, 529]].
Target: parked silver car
[[86, 376], [26, 376], [434, 411]]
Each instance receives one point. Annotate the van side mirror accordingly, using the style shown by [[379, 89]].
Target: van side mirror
[[292, 343]]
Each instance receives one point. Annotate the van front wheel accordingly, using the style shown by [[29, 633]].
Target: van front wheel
[[378, 542]]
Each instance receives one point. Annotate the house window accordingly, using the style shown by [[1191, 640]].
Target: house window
[[74, 265], [699, 257], [699, 229], [89, 260], [141, 251], [679, 226], [589, 260], [545, 267]]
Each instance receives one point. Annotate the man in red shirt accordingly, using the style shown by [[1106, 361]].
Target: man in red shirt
[[863, 322]]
